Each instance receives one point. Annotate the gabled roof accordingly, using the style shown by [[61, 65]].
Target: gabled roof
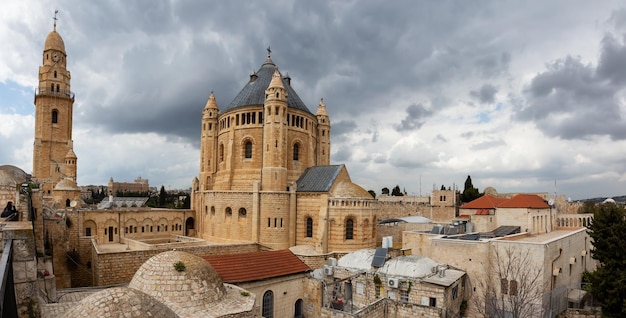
[[485, 202], [530, 201], [253, 94], [318, 178], [248, 267]]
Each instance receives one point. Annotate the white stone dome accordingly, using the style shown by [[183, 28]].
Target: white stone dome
[[195, 286], [119, 302]]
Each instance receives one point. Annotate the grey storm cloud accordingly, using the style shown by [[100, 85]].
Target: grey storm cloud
[[493, 64], [415, 118], [341, 128], [173, 54], [485, 94], [573, 100]]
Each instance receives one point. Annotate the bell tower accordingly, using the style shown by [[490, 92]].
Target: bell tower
[[53, 156]]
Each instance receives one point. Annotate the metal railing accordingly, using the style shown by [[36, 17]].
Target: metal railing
[[66, 93], [8, 307]]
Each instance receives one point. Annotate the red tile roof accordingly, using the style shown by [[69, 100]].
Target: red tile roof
[[482, 212], [484, 202], [529, 201], [247, 267]]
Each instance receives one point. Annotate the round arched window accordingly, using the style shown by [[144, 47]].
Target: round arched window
[[242, 212], [229, 211]]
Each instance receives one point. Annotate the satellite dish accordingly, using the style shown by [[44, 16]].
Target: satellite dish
[[551, 202], [73, 203]]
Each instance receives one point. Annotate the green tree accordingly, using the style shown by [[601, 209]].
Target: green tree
[[372, 193], [162, 197], [588, 207], [384, 190], [608, 236], [469, 192], [396, 191]]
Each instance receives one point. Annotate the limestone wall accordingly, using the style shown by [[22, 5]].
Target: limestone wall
[[286, 292], [119, 267]]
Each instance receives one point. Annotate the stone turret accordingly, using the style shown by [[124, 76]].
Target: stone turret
[[208, 143], [323, 135], [274, 176]]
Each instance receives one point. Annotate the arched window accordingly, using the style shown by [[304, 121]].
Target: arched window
[[221, 152], [55, 74], [298, 309], [243, 212], [268, 304], [212, 210], [309, 227], [349, 229], [229, 211], [55, 116], [57, 88], [248, 153], [296, 150]]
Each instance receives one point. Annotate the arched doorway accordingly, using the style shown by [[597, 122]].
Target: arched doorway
[[189, 227], [298, 309]]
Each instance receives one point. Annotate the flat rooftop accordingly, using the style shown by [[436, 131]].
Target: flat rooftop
[[541, 238]]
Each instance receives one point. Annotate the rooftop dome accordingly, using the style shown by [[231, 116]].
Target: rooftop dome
[[253, 94], [54, 42], [119, 302], [66, 184], [491, 191], [12, 175], [195, 286]]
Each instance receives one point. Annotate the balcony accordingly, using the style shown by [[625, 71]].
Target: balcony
[[45, 91]]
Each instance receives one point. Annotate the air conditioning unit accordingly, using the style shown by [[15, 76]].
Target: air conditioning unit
[[572, 260], [393, 282], [328, 270], [332, 261]]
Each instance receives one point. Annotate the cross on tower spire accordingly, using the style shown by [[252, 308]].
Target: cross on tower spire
[[55, 19]]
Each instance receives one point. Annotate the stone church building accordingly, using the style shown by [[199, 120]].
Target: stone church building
[[265, 173]]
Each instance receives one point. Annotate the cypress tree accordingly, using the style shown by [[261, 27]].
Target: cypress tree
[[608, 282]]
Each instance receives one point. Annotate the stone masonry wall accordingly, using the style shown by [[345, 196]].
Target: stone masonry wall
[[118, 268]]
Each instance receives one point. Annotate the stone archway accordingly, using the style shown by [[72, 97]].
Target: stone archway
[[189, 227]]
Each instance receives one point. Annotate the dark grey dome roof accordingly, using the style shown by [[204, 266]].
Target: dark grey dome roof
[[254, 91]]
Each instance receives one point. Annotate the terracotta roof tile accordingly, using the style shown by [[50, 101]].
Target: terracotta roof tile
[[484, 202], [247, 267], [531, 201]]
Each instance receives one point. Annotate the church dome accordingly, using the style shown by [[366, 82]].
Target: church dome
[[253, 94], [196, 286], [119, 302], [54, 42]]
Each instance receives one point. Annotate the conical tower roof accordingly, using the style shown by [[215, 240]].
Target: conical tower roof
[[211, 103]]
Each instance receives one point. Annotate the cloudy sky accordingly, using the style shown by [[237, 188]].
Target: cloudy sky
[[521, 95]]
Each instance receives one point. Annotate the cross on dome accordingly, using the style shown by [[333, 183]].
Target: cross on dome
[[55, 19]]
